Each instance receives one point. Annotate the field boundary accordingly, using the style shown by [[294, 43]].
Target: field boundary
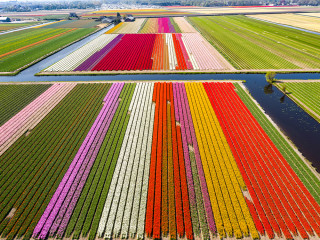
[[45, 56]]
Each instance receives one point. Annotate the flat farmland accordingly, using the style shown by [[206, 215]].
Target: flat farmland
[[244, 9], [252, 44], [142, 52], [148, 12], [19, 49], [73, 24], [193, 160], [15, 97], [305, 94], [10, 26], [308, 22], [155, 25]]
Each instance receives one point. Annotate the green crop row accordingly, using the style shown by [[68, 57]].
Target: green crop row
[[20, 59], [87, 213], [298, 165], [305, 92], [14, 98], [26, 37], [175, 25], [308, 42], [11, 26], [298, 47], [253, 44], [32, 173], [202, 223]]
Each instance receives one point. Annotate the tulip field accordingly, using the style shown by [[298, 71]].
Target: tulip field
[[249, 43], [15, 97], [159, 25], [147, 12], [21, 48], [72, 24], [155, 25], [296, 20], [139, 52], [154, 44], [193, 160], [10, 26]]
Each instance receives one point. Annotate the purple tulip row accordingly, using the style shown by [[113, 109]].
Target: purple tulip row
[[183, 115], [89, 64], [59, 210]]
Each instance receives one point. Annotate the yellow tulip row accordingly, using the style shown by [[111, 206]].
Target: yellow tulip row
[[114, 29], [223, 177]]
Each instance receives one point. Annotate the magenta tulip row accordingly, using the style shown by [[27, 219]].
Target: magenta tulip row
[[183, 115]]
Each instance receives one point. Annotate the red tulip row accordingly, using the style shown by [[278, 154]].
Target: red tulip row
[[133, 52], [281, 200], [166, 192], [180, 57]]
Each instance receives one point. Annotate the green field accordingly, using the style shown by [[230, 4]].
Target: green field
[[252, 44], [30, 178], [11, 26], [305, 94], [308, 178], [28, 52], [14, 98], [73, 24]]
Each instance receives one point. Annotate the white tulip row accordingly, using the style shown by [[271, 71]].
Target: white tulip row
[[137, 170], [172, 53], [131, 27], [77, 57], [119, 206], [138, 225], [122, 203], [142, 163]]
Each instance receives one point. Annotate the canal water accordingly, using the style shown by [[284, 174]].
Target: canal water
[[302, 129]]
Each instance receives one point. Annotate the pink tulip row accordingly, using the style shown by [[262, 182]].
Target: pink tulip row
[[183, 115], [59, 210], [203, 56], [32, 114]]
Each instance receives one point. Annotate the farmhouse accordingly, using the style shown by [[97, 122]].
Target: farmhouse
[[5, 19]]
